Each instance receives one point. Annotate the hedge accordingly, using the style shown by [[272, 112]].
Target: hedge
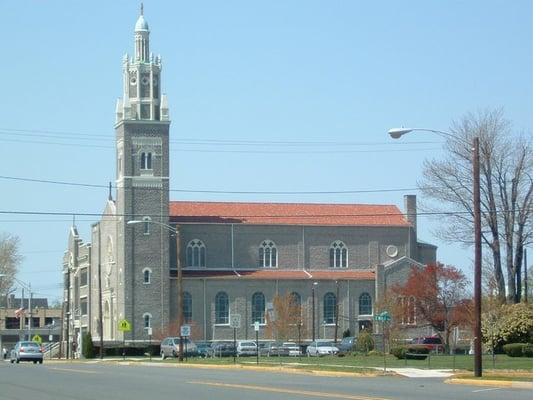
[[518, 349], [410, 352]]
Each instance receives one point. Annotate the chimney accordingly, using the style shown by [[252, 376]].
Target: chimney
[[410, 209]]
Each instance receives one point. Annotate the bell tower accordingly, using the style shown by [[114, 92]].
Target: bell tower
[[142, 181]]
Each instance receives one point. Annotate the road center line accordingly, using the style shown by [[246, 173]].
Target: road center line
[[289, 391], [485, 390], [81, 371]]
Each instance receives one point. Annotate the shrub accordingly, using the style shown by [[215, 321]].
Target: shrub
[[518, 349], [88, 349], [346, 333], [365, 342], [399, 352], [410, 352], [375, 353]]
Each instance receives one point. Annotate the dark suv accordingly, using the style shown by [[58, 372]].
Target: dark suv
[[432, 343]]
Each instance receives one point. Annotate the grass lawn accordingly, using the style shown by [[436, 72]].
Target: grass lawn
[[360, 363]]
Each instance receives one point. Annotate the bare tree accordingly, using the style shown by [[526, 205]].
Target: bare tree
[[506, 165], [10, 260]]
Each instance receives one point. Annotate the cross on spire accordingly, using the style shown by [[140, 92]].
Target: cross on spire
[[142, 9]]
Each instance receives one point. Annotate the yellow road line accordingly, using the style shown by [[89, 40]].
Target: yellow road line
[[81, 371], [287, 391]]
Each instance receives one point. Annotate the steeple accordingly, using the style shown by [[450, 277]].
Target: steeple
[[142, 78], [142, 38]]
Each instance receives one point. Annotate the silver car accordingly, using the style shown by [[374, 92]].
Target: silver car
[[27, 351], [170, 347], [321, 348]]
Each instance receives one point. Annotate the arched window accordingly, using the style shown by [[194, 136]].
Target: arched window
[[365, 304], [147, 276], [295, 306], [330, 308], [146, 225], [196, 253], [338, 255], [187, 307], [146, 160], [147, 318], [296, 299], [258, 307], [221, 308], [268, 254]]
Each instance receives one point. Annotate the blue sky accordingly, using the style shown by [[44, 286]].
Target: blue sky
[[330, 77]]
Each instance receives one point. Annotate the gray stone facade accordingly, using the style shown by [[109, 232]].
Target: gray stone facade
[[131, 268]]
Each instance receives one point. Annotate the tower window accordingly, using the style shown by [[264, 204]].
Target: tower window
[[147, 276], [146, 160], [147, 318]]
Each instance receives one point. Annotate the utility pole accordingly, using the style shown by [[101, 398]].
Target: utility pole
[[337, 311]]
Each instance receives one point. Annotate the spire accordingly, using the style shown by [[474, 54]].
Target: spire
[[110, 196], [142, 42]]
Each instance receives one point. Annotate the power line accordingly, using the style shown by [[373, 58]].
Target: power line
[[62, 213], [54, 182]]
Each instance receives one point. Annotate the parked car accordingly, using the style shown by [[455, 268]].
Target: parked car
[[170, 347], [246, 348], [27, 351], [294, 349], [275, 349], [204, 349], [223, 349], [433, 343], [321, 348], [347, 345]]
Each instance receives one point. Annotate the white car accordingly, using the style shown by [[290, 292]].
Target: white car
[[294, 349], [321, 348], [246, 348]]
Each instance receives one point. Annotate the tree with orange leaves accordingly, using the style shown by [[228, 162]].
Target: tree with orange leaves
[[440, 297]]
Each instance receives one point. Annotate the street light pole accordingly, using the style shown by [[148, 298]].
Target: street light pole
[[396, 133], [313, 307], [179, 276]]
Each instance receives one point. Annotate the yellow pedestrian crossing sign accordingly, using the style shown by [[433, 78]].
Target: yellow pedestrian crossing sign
[[124, 326], [37, 338]]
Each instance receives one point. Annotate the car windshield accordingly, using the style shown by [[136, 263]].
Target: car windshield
[[323, 344], [248, 344], [29, 344]]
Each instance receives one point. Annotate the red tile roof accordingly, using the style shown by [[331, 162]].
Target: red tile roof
[[265, 274], [286, 213]]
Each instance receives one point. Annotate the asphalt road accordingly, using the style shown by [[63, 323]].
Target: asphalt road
[[82, 381]]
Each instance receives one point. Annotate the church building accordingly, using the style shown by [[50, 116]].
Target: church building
[[222, 263]]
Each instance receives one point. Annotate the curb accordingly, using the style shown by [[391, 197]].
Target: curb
[[492, 383], [279, 369]]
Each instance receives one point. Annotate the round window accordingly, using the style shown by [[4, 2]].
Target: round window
[[392, 250]]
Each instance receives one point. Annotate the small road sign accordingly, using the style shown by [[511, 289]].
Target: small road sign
[[256, 326], [235, 321], [185, 330], [124, 325]]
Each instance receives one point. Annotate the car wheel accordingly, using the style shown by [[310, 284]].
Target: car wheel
[[41, 361], [174, 354], [12, 361], [163, 355], [35, 361], [18, 361]]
